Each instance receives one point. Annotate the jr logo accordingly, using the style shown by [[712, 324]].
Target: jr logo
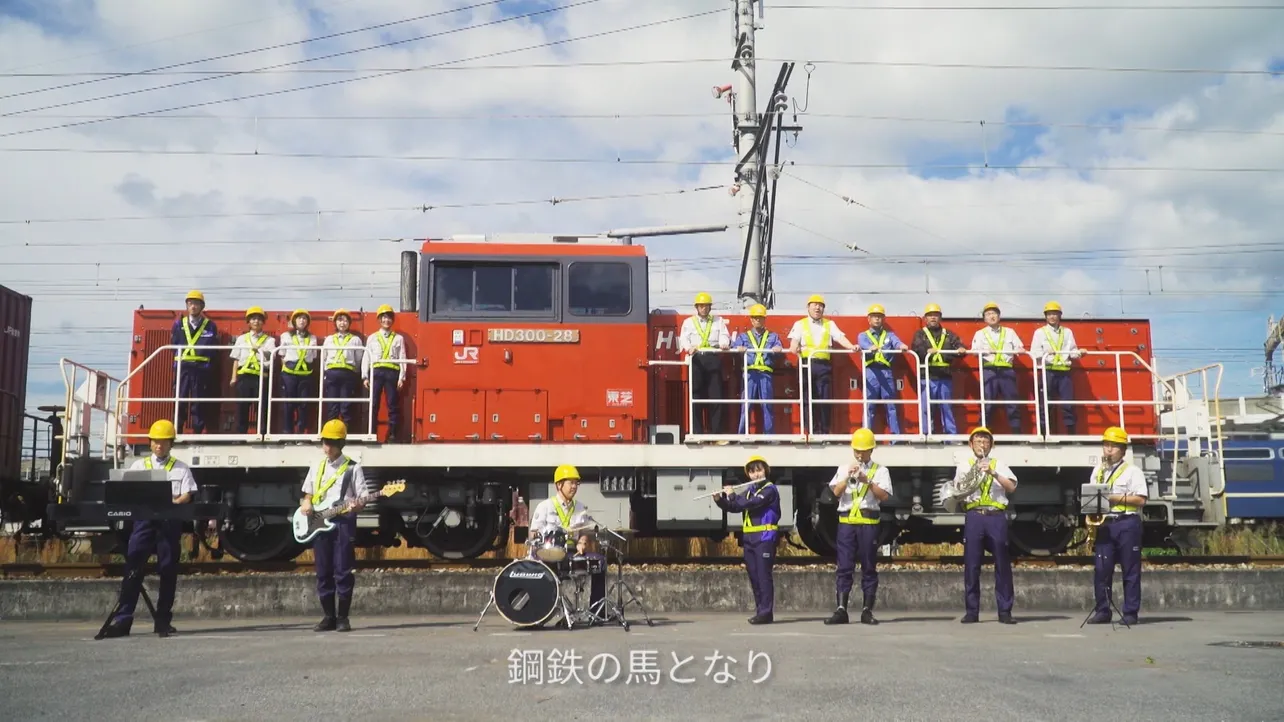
[[665, 340], [466, 355]]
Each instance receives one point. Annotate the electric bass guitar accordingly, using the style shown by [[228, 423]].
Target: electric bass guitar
[[307, 526]]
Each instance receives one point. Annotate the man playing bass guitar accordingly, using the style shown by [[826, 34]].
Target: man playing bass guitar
[[335, 479]]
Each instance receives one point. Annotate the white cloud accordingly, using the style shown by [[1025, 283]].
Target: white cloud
[[1032, 213]]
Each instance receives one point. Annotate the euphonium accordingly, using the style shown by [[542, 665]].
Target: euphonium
[[1095, 520]]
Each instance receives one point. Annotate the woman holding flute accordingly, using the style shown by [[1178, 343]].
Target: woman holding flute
[[759, 502]]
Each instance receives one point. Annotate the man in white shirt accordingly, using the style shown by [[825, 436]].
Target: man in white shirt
[[811, 338], [1119, 536], [382, 374], [250, 377], [860, 487], [705, 333], [299, 349], [986, 527], [1053, 346], [162, 537], [341, 357], [563, 511], [998, 377], [335, 479]]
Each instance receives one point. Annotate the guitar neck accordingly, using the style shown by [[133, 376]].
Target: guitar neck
[[341, 508]]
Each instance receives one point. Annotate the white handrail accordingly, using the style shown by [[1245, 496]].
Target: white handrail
[[263, 426], [1120, 402]]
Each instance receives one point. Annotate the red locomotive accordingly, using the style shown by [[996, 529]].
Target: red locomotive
[[527, 353]]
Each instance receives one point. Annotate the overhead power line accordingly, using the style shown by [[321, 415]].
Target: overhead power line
[[101, 75], [422, 208], [1038, 68], [632, 161], [163, 68], [1022, 8], [283, 91]]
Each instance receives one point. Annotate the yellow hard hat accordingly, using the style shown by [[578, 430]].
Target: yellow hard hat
[[254, 311], [162, 429], [384, 309], [876, 309], [1052, 306], [757, 311], [816, 298], [980, 430], [862, 439], [1115, 435], [334, 430], [565, 471], [703, 297], [990, 305], [341, 312], [931, 308], [755, 459], [195, 296], [300, 312]]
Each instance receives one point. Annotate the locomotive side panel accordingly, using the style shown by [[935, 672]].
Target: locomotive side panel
[[534, 343]]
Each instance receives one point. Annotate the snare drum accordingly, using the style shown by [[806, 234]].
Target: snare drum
[[583, 566]]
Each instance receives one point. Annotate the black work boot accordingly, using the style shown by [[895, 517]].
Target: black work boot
[[327, 623], [867, 610], [840, 614], [118, 629], [1100, 618], [345, 603], [163, 627]]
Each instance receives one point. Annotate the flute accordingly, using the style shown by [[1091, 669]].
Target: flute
[[734, 486]]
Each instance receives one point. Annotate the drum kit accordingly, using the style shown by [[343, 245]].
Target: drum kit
[[529, 592]]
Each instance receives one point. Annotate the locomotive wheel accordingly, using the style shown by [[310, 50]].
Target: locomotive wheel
[[1033, 539], [251, 539], [452, 538], [817, 526]]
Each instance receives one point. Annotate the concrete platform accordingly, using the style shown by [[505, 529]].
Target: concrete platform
[[917, 665], [664, 590]]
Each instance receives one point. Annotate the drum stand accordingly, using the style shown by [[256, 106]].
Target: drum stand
[[608, 611]]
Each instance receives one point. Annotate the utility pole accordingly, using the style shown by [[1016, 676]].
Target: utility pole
[[751, 134]]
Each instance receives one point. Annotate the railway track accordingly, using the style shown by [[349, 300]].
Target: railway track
[[90, 570]]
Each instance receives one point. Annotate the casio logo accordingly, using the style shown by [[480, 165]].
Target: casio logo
[[120, 513]]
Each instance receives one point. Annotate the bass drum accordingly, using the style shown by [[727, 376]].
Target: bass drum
[[527, 592]]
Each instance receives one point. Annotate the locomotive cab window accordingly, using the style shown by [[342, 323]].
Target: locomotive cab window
[[490, 289], [600, 288]]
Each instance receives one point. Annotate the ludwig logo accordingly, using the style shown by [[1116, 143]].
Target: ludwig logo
[[526, 575], [467, 355]]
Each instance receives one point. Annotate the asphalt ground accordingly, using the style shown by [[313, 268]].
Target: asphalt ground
[[913, 666]]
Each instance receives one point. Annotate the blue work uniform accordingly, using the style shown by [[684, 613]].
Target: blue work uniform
[[760, 506], [880, 384], [192, 367], [758, 362]]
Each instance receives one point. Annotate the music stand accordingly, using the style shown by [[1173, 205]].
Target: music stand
[[139, 488], [613, 611], [1095, 502]]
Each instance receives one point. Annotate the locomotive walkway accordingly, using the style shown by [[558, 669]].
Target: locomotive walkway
[[917, 665]]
